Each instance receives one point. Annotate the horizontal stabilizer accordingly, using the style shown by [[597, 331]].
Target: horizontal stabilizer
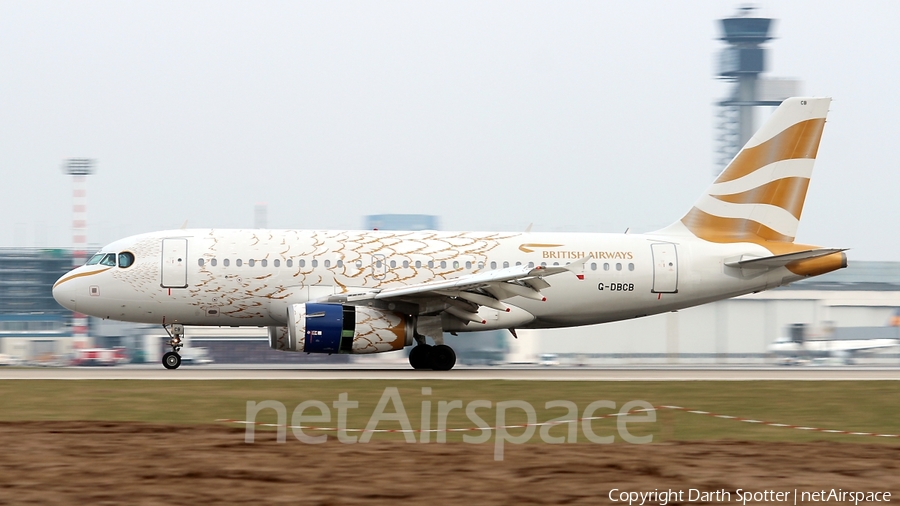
[[751, 262]]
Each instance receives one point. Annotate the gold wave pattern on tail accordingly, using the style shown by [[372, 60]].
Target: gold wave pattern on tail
[[797, 141], [787, 193], [759, 197]]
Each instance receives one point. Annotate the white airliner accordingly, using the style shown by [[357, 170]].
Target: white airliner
[[797, 352], [376, 291], [841, 343]]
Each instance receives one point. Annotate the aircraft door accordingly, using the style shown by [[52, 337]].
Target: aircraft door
[[665, 267], [174, 263]]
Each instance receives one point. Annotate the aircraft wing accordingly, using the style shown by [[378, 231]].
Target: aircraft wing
[[861, 344], [480, 289]]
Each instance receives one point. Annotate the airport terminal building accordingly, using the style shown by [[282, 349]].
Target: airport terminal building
[[32, 324]]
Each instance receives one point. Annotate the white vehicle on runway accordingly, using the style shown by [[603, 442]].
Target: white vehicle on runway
[[197, 356], [548, 359], [344, 291], [10, 360]]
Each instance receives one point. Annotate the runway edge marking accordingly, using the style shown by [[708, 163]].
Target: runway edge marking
[[577, 420]]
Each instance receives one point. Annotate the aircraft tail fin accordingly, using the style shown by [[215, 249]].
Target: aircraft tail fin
[[759, 196]]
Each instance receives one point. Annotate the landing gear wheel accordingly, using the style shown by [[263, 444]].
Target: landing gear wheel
[[443, 358], [419, 356], [171, 360]]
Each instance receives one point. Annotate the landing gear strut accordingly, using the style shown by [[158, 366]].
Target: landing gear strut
[[172, 360], [424, 356]]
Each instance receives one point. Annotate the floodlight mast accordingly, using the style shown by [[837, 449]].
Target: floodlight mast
[[79, 169]]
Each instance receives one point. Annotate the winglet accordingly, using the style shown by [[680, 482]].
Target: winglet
[[578, 264]]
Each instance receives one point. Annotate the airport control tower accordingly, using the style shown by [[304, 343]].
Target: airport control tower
[[741, 63]]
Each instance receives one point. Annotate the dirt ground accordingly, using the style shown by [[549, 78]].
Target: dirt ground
[[138, 463]]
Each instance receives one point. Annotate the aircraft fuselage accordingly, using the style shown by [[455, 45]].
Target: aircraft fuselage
[[250, 277]]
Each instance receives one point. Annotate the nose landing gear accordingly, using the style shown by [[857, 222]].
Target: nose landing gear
[[172, 360]]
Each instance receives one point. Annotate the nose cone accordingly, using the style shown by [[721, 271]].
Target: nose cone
[[63, 291]]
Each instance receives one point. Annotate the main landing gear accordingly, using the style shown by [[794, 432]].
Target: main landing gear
[[172, 360], [424, 356]]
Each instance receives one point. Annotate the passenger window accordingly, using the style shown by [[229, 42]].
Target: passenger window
[[468, 265], [340, 263], [630, 267], [493, 265], [605, 266], [418, 264], [618, 267], [480, 265], [263, 263], [225, 262], [518, 264], [212, 262], [543, 264], [302, 263], [505, 265], [455, 264], [378, 264], [276, 262], [315, 263], [126, 259], [290, 262], [531, 265], [109, 259], [393, 264], [593, 266], [251, 262], [431, 264], [406, 264], [95, 259], [199, 262], [327, 264], [238, 262], [443, 264], [359, 264]]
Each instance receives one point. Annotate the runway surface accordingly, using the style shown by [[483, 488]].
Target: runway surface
[[630, 373]]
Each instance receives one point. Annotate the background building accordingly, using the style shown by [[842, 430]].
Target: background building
[[32, 324], [739, 330], [401, 222]]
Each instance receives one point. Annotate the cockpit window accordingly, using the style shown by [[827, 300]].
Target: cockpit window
[[109, 259], [95, 259], [126, 258]]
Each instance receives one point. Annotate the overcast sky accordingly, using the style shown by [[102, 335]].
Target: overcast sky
[[573, 116]]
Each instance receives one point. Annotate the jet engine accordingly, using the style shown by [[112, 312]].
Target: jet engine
[[338, 328]]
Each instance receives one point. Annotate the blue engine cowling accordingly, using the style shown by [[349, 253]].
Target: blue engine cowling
[[337, 328]]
